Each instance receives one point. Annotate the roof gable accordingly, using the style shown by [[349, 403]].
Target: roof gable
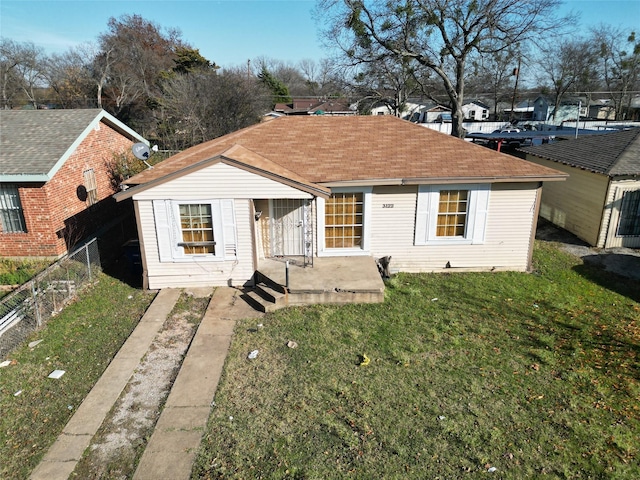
[[330, 150], [612, 154], [36, 143]]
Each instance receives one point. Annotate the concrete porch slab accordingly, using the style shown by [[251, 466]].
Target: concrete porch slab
[[358, 274]]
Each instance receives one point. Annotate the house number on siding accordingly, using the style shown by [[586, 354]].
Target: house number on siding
[[387, 205]]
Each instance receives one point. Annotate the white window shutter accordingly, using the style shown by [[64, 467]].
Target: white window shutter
[[422, 215], [229, 228], [481, 205], [164, 227]]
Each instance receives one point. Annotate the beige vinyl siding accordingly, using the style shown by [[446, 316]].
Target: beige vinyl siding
[[611, 216], [220, 181], [507, 236], [206, 273], [577, 203]]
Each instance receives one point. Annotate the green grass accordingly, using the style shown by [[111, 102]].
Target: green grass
[[81, 340], [14, 272], [536, 375]]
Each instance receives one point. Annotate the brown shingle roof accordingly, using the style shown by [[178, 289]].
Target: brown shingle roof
[[360, 149]]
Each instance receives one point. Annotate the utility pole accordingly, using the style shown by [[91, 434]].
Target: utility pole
[[516, 72]]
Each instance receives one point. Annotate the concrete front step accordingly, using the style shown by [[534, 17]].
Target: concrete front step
[[264, 298]]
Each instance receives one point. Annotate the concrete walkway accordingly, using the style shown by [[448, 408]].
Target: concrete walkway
[[176, 438]]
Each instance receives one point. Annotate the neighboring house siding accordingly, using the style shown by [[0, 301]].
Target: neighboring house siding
[[54, 213], [508, 230], [577, 204], [221, 181], [611, 217]]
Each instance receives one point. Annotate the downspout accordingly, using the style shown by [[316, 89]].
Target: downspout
[[534, 227]]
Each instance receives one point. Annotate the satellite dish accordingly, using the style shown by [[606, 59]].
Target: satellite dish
[[140, 151]]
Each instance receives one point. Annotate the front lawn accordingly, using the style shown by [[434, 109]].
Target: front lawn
[[455, 375], [81, 340]]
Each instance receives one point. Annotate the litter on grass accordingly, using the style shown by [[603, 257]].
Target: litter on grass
[[292, 344], [34, 343], [56, 374], [6, 363], [17, 393], [253, 355]]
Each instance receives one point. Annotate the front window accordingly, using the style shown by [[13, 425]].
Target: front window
[[11, 210], [630, 214], [196, 224], [344, 220], [452, 213]]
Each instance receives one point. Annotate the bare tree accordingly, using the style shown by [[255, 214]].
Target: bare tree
[[9, 60], [21, 67], [69, 76], [389, 82], [439, 35], [133, 54], [566, 67], [493, 76], [322, 78], [619, 64], [200, 106]]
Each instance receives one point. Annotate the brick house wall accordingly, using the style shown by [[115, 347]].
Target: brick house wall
[[56, 216]]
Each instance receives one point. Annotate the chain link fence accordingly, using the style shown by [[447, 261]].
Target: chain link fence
[[31, 305]]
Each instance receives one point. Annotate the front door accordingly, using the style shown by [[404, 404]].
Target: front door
[[287, 227]]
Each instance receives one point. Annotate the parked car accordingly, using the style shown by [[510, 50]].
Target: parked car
[[507, 130]]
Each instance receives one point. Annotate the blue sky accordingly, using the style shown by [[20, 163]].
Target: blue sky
[[228, 32]]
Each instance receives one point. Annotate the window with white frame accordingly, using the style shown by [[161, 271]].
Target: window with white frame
[[91, 186], [451, 214], [195, 230], [11, 212], [344, 221]]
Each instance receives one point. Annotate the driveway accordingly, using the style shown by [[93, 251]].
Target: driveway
[[622, 261]]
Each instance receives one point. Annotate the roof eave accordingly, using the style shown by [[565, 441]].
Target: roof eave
[[112, 121], [445, 180], [24, 178], [312, 189]]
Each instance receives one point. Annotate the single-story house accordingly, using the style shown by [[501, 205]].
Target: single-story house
[[600, 201], [334, 187], [54, 182], [476, 111], [315, 106], [602, 109]]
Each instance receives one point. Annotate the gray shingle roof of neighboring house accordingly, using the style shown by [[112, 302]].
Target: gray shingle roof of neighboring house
[[612, 154], [35, 143]]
